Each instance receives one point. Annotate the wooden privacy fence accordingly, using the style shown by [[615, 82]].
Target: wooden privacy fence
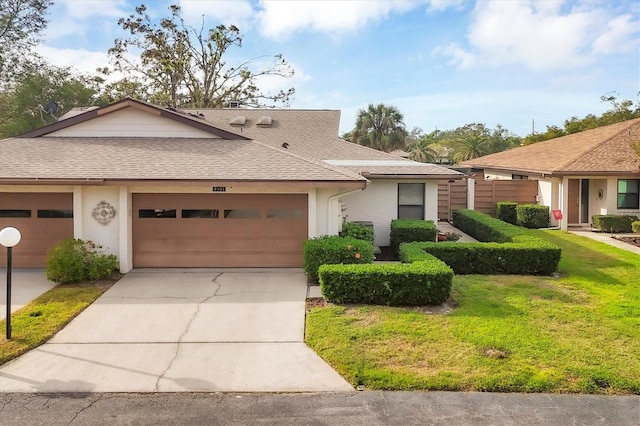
[[453, 195]]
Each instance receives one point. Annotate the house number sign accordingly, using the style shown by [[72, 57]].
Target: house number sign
[[219, 189]]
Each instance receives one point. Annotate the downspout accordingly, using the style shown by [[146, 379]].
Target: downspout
[[333, 197]]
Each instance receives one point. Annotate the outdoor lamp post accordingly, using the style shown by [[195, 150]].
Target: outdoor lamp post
[[9, 237]]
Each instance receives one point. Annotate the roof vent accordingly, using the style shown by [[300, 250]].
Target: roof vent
[[240, 120], [234, 104], [264, 121], [285, 145]]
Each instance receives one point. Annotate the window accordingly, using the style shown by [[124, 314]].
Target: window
[[284, 214], [411, 201], [628, 193], [156, 214], [55, 214], [196, 214], [242, 214], [15, 213]]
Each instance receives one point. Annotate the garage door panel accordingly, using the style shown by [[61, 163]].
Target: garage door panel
[[39, 234], [258, 230]]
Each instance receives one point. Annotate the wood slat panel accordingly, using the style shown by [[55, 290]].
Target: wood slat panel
[[452, 196]]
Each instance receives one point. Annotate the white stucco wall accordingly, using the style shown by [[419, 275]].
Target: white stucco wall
[[86, 198], [379, 204], [496, 174]]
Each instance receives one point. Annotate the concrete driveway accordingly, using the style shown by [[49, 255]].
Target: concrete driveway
[[182, 331]]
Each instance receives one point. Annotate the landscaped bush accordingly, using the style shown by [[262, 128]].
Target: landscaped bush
[[613, 222], [533, 215], [483, 227], [75, 260], [333, 250], [506, 211], [635, 227], [357, 230], [408, 230], [506, 248], [525, 256], [427, 282]]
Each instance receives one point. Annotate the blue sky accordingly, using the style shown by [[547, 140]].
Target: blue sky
[[443, 63]]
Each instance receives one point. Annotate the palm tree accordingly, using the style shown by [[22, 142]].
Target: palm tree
[[470, 146], [422, 151], [380, 127]]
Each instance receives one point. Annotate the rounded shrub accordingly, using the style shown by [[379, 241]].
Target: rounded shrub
[[533, 215], [357, 230], [329, 250], [635, 227], [75, 260]]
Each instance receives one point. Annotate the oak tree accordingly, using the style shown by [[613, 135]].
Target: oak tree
[[183, 66]]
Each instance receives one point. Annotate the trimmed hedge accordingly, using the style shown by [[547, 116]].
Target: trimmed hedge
[[332, 250], [409, 230], [427, 282], [524, 256], [533, 215], [613, 222], [357, 230], [506, 248], [635, 227], [506, 211], [483, 227]]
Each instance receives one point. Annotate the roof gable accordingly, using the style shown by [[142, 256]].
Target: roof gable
[[61, 127]]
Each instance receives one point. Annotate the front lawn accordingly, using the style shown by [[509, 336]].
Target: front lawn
[[579, 332], [36, 322]]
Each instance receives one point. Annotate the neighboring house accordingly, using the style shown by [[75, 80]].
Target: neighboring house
[[228, 187], [592, 172]]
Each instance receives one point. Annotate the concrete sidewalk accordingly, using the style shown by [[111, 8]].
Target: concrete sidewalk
[[183, 331], [350, 408], [605, 237], [26, 285]]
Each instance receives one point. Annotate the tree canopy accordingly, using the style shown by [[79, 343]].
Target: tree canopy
[[21, 23], [21, 103], [380, 127], [620, 110], [183, 66]]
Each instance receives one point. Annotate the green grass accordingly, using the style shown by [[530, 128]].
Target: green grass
[[36, 322], [576, 333]]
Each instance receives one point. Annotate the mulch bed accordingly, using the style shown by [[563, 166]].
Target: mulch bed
[[634, 241]]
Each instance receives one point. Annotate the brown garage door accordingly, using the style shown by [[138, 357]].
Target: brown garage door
[[43, 219], [223, 230]]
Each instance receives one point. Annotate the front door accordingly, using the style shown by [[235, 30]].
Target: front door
[[573, 205]]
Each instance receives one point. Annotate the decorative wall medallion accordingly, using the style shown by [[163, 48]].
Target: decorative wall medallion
[[103, 213]]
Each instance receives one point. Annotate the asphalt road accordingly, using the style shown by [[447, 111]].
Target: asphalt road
[[349, 408]]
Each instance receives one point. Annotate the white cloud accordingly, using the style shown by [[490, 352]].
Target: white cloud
[[541, 35], [281, 19], [440, 5], [70, 17], [619, 36], [228, 12], [82, 60]]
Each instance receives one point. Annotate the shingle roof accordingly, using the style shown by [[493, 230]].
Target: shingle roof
[[158, 158], [291, 145], [314, 134], [604, 150]]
